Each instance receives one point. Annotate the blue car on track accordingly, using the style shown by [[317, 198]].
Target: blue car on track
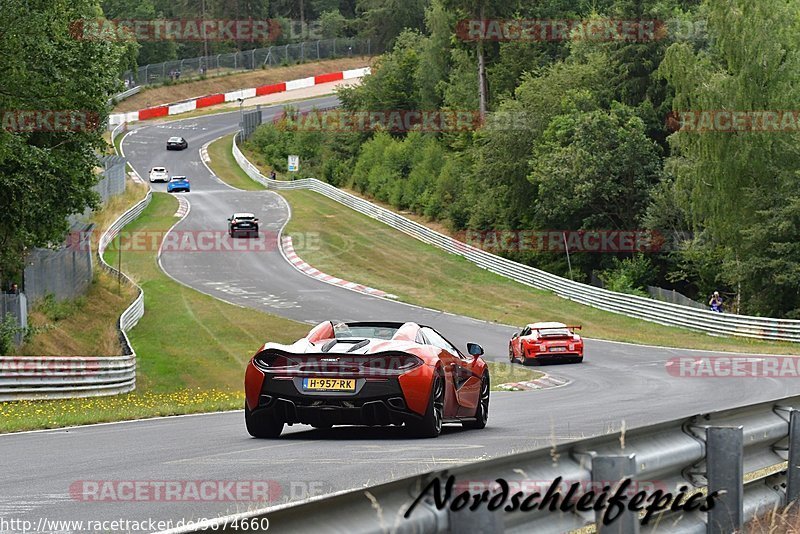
[[177, 184]]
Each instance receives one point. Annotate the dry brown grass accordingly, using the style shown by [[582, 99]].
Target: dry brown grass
[[785, 519], [82, 327], [241, 80]]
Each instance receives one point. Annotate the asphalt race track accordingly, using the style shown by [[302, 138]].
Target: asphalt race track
[[616, 383]]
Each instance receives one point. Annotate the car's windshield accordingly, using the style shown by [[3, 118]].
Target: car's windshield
[[344, 331], [159, 169]]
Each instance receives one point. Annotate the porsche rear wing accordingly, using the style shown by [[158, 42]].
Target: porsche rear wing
[[570, 327]]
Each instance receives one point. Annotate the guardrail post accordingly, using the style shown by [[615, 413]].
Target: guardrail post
[[725, 474], [609, 470], [793, 472], [479, 521]]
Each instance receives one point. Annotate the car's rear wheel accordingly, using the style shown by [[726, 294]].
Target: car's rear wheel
[[482, 411], [262, 424], [430, 426]]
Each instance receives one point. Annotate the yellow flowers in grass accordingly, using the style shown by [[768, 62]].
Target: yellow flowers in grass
[[27, 415]]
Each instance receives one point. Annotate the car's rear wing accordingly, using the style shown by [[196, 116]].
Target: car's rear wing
[[548, 330]]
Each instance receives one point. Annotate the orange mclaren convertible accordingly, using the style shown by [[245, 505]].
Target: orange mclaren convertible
[[366, 373], [546, 342]]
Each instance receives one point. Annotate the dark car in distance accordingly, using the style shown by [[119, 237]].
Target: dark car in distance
[[243, 223], [177, 143]]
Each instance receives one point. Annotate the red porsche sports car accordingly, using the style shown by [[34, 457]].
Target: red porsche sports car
[[366, 373], [546, 342]]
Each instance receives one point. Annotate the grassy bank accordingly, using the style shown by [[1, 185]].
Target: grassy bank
[[355, 247], [185, 90]]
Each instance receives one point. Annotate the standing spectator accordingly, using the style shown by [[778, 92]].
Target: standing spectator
[[272, 175]]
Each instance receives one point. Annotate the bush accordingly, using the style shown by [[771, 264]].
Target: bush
[[56, 311], [8, 330], [630, 275]]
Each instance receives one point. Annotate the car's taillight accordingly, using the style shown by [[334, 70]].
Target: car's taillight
[[393, 362], [275, 361]]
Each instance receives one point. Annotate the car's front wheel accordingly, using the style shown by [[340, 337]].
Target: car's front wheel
[[482, 411], [262, 424], [430, 426]]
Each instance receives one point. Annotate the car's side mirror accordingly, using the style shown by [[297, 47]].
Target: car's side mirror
[[515, 336], [229, 220], [474, 349], [255, 220]]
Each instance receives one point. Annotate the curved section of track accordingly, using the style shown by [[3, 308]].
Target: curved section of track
[[617, 382]]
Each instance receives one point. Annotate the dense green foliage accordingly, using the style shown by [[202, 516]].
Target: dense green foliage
[[47, 170], [304, 20], [592, 146]]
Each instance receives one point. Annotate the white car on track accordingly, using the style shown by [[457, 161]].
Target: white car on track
[[159, 174]]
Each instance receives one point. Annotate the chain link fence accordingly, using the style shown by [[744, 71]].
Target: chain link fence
[[257, 58], [65, 272], [113, 181], [670, 295]]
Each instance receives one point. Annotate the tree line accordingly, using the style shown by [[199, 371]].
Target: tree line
[[598, 148], [298, 20]]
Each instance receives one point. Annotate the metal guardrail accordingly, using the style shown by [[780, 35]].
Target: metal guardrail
[[58, 377], [740, 453], [119, 97], [652, 310]]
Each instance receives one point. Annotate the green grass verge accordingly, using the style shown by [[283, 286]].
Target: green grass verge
[[34, 415], [355, 247], [505, 373], [220, 152]]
